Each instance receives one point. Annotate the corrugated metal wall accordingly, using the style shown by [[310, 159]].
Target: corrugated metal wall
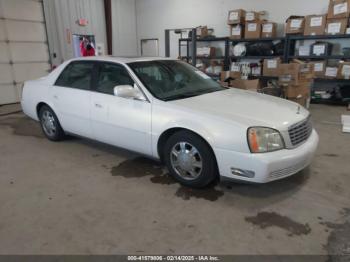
[[61, 21], [23, 46], [124, 28]]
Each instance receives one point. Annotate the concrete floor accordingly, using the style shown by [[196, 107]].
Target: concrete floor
[[82, 197]]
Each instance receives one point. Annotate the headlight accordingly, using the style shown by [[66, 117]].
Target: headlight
[[263, 139]]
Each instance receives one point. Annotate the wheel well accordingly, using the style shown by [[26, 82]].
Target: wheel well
[[39, 106], [168, 133]]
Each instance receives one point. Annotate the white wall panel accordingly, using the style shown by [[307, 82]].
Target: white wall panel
[[30, 71], [2, 30], [5, 74], [61, 17], [29, 52], [4, 53], [154, 16], [124, 28], [23, 48], [25, 31], [18, 90], [8, 94], [61, 21], [23, 9]]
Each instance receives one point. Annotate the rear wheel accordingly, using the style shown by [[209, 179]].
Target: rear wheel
[[190, 160], [50, 124]]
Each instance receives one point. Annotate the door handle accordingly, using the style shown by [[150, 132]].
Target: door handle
[[98, 105]]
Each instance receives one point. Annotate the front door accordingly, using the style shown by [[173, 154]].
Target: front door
[[119, 121]]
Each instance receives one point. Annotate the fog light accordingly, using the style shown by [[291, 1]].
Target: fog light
[[241, 172]]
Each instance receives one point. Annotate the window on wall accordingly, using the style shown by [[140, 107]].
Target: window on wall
[[76, 75], [110, 76]]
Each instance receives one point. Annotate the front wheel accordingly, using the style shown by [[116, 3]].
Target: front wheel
[[190, 159], [50, 124]]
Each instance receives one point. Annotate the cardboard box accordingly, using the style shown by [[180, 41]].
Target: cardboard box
[[294, 73], [339, 9], [252, 30], [206, 51], [344, 70], [304, 50], [214, 68], [331, 72], [295, 25], [321, 48], [202, 31], [306, 72], [235, 70], [301, 90], [224, 75], [272, 91], [252, 16], [319, 68], [271, 67], [268, 30], [303, 101], [336, 26], [236, 17], [315, 24], [229, 74], [288, 74], [235, 67], [252, 85], [225, 84], [237, 32]]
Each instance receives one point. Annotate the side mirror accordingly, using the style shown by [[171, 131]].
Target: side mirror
[[127, 91]]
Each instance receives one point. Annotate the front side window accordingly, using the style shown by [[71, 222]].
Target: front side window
[[110, 76], [171, 80], [76, 75]]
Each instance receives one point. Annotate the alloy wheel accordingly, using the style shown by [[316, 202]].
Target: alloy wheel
[[49, 123], [186, 160]]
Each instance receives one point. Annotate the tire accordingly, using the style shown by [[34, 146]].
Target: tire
[[190, 160], [50, 125]]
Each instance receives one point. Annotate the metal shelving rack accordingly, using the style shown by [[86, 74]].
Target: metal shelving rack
[[288, 54], [228, 42], [249, 40], [291, 44], [290, 41], [193, 42]]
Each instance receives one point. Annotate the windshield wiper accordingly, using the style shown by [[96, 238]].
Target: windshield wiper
[[181, 96], [192, 94]]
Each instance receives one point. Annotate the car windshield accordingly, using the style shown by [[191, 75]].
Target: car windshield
[[170, 80]]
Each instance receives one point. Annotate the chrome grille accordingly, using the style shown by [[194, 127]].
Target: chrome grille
[[300, 132]]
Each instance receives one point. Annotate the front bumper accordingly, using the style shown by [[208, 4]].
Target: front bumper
[[267, 167]]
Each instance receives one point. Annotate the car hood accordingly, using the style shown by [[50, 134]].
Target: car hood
[[246, 107]]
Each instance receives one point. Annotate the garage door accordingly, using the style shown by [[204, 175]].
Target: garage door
[[24, 53]]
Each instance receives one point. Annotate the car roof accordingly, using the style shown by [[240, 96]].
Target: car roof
[[120, 59]]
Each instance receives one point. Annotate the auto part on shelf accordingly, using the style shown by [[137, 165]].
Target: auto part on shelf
[[321, 48], [260, 49], [240, 49]]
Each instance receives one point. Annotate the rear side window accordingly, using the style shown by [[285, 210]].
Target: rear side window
[[76, 75]]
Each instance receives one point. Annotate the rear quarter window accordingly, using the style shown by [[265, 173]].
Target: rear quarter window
[[76, 75]]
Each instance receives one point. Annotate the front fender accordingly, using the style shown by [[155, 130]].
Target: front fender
[[217, 133], [186, 125]]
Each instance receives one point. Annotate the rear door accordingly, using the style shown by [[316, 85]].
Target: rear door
[[115, 120], [72, 97]]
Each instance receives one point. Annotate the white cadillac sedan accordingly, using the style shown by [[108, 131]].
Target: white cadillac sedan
[[169, 110]]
